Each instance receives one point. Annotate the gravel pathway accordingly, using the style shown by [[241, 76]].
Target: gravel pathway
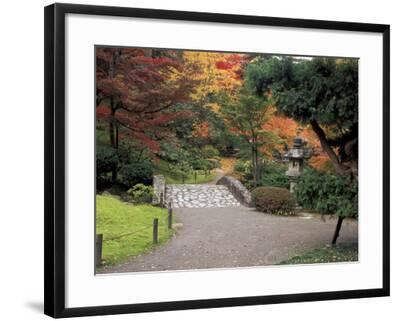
[[235, 237]]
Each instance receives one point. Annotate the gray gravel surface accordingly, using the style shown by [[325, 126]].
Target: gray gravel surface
[[236, 237]]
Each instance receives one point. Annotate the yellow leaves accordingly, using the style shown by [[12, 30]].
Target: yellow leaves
[[206, 68], [210, 73], [228, 164], [214, 107]]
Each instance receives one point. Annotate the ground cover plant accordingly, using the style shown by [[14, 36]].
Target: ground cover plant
[[327, 254]]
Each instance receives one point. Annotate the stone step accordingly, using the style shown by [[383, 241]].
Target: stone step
[[200, 196]]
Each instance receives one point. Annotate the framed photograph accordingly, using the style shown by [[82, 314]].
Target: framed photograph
[[199, 160]]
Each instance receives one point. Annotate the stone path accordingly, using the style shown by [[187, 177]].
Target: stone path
[[200, 196], [236, 237]]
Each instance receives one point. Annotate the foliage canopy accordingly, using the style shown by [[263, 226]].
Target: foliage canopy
[[321, 92], [327, 193]]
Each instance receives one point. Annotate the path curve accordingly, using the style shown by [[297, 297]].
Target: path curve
[[218, 174], [236, 237]]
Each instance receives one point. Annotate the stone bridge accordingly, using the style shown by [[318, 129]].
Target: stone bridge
[[227, 193]]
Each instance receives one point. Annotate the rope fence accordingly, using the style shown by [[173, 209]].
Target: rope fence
[[126, 234], [100, 240]]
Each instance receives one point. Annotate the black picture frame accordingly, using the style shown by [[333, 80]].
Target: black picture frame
[[55, 126]]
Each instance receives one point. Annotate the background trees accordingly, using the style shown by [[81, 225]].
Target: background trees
[[135, 90], [321, 92], [246, 115], [148, 95]]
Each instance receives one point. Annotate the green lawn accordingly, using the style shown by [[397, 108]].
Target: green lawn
[[174, 178], [115, 218], [338, 253]]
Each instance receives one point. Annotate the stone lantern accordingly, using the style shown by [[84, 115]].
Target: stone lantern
[[296, 158]]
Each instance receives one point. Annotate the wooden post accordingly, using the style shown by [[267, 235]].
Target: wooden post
[[165, 193], [337, 230], [99, 248], [169, 215], [162, 199], [155, 231]]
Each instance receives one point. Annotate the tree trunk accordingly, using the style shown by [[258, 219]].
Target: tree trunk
[[113, 105], [113, 143], [254, 157], [351, 151], [112, 133], [254, 166], [337, 230], [116, 136], [257, 170], [340, 168]]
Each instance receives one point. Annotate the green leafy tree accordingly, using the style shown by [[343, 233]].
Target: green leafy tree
[[135, 173], [328, 194], [106, 159], [245, 115], [183, 169]]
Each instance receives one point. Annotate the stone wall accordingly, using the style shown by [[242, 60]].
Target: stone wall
[[238, 190], [158, 189]]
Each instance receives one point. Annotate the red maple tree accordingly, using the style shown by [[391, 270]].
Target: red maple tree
[[135, 90]]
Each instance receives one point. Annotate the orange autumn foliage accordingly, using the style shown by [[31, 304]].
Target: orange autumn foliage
[[286, 129], [228, 164], [201, 130]]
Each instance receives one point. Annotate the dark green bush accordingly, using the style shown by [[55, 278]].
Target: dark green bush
[[199, 164], [106, 159], [273, 174], [204, 164], [212, 163], [141, 193], [327, 193], [135, 173], [209, 151], [275, 179], [103, 181], [130, 151], [273, 200], [244, 168]]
